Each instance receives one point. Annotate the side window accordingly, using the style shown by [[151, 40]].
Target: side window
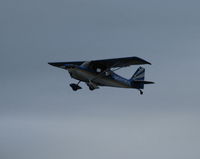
[[98, 70], [107, 73]]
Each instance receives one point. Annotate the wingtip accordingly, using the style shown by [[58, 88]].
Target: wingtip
[[143, 61], [55, 64], [50, 63], [147, 62]]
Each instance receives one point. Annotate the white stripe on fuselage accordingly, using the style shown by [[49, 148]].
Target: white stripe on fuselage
[[86, 76]]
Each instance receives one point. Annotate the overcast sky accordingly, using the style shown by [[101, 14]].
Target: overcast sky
[[42, 118]]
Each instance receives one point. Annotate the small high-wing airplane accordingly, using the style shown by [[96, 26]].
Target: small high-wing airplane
[[97, 73]]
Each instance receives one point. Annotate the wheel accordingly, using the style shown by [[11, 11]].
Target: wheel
[[74, 86], [91, 88], [74, 89], [141, 92]]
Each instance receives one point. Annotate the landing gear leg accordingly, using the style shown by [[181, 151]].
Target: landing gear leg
[[92, 86], [141, 92], [75, 87]]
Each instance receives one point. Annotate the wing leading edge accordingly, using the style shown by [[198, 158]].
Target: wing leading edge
[[109, 63], [121, 62]]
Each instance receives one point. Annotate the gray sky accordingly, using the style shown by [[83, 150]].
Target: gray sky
[[41, 117]]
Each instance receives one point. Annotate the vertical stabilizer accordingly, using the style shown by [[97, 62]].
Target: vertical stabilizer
[[138, 75], [138, 78]]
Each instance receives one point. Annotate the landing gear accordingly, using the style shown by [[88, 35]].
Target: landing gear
[[92, 86], [75, 87], [141, 92]]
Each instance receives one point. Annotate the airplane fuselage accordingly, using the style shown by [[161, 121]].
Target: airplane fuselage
[[107, 78]]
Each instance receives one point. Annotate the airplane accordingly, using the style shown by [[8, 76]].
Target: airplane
[[96, 73]]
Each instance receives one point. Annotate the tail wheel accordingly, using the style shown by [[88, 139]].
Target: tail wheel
[[141, 92]]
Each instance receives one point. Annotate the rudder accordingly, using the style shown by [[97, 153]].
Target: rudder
[[137, 78], [138, 75]]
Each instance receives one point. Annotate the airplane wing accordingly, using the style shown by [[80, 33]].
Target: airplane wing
[[120, 62], [106, 63], [63, 64]]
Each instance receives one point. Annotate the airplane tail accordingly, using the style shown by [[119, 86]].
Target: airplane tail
[[139, 74], [137, 80]]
